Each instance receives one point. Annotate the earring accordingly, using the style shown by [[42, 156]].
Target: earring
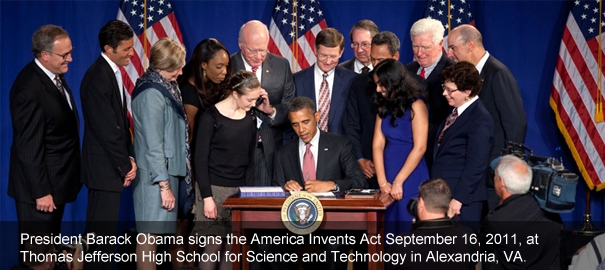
[[204, 73], [466, 98]]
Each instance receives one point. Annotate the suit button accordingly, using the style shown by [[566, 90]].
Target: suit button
[[118, 127]]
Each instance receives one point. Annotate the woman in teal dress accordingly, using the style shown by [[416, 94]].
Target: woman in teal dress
[[400, 139]]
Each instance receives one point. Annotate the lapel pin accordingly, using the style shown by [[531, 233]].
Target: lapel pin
[[267, 71], [326, 149]]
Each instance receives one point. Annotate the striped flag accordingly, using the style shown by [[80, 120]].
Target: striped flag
[[294, 26], [451, 13], [576, 95], [151, 21]]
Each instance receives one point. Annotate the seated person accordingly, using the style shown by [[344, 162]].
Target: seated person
[[30, 258], [590, 256], [317, 162], [432, 220], [519, 233]]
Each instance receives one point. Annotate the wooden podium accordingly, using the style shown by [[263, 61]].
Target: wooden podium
[[339, 214]]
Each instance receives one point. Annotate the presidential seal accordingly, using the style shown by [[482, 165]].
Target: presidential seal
[[302, 213]]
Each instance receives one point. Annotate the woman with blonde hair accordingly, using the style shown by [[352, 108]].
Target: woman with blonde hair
[[161, 146]]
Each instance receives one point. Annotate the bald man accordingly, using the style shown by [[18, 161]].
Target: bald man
[[500, 93], [275, 77]]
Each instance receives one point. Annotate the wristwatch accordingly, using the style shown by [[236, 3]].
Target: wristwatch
[[336, 188]]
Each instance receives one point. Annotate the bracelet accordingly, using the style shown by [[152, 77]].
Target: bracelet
[[384, 184], [167, 185], [398, 184]]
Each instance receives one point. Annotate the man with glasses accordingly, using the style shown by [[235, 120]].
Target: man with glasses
[[326, 83], [275, 77], [44, 171], [500, 94], [360, 116], [361, 40], [107, 163], [427, 44]]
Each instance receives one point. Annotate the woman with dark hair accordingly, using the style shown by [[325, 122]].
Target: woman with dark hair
[[463, 144], [204, 78], [223, 157], [400, 139]]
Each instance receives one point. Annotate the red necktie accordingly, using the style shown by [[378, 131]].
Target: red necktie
[[308, 164], [254, 69], [324, 104], [448, 122], [422, 73]]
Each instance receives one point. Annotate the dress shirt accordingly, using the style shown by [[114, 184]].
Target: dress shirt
[[319, 78], [302, 148], [259, 71], [429, 69], [465, 105], [482, 62], [52, 79], [358, 66], [115, 69]]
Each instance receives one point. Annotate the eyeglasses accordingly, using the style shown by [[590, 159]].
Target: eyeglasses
[[322, 57], [364, 45], [260, 51], [64, 56], [448, 90]]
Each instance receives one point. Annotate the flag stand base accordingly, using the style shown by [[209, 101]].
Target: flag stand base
[[586, 229]]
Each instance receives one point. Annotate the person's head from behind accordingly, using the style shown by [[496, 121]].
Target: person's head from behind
[[361, 40], [394, 81], [427, 41], [253, 42], [303, 118], [434, 199], [329, 45], [116, 40], [244, 89], [385, 45], [51, 45], [167, 57], [512, 176], [460, 82], [38, 256], [463, 41], [209, 62]]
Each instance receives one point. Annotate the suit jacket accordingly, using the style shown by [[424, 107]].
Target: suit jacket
[[502, 99], [304, 81], [349, 64], [335, 162], [463, 156], [360, 116], [107, 143], [277, 81], [45, 154]]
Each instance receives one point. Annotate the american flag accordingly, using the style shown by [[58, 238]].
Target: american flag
[[294, 26], [151, 21], [576, 91], [458, 11]]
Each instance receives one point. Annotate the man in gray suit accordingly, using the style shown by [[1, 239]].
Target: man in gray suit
[[361, 40], [274, 74]]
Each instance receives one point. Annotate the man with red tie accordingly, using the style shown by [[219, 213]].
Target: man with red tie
[[427, 44]]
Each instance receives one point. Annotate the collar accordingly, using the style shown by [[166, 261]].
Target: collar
[[358, 66], [320, 73], [433, 224], [46, 71], [113, 65], [314, 141], [464, 106], [481, 63], [246, 65]]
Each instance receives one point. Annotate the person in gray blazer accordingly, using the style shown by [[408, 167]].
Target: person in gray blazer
[[275, 77], [160, 145]]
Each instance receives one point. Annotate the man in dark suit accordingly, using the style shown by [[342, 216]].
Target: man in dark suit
[[107, 163], [361, 39], [325, 82], [316, 162], [44, 171], [274, 74], [427, 44], [360, 117], [500, 93]]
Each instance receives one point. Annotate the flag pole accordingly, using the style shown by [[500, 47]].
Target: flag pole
[[598, 117], [145, 56], [295, 41], [449, 23]]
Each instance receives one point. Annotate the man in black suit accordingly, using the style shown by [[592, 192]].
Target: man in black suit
[[274, 74], [107, 163], [44, 171], [427, 44], [360, 116], [317, 162], [500, 93], [325, 82], [361, 39]]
